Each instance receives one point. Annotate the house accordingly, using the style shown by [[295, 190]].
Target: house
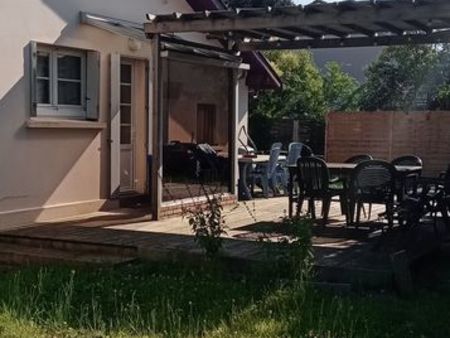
[[76, 117]]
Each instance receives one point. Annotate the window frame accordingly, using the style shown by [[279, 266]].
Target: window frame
[[53, 109]]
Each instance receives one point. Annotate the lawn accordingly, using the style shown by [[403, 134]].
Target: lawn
[[172, 300]]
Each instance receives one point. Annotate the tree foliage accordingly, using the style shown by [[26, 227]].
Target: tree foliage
[[340, 89], [307, 94], [302, 92], [399, 77]]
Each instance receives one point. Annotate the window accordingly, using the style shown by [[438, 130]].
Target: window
[[65, 82]]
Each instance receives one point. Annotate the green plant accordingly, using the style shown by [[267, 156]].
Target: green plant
[[300, 243], [443, 96], [208, 224], [173, 300], [292, 253]]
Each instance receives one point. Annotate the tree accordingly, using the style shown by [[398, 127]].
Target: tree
[[439, 81], [340, 89], [399, 77], [302, 91], [300, 96]]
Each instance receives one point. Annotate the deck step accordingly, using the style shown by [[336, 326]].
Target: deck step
[[16, 254], [87, 247]]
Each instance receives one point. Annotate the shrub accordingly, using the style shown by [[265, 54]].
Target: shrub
[[292, 254], [208, 225]]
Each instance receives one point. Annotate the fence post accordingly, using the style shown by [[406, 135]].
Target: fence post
[[295, 137]]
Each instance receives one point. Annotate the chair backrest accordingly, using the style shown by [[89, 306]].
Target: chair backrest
[[276, 145], [373, 178], [359, 158], [273, 161], [313, 175], [206, 156], [306, 151], [294, 152], [410, 160]]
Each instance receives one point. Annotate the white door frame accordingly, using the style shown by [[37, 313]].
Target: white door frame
[[131, 146]]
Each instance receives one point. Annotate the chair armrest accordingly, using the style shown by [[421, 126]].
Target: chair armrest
[[335, 179]]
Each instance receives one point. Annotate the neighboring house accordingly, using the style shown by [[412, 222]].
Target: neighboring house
[[75, 118]]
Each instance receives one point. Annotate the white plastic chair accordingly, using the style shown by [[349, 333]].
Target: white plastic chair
[[265, 175], [294, 153]]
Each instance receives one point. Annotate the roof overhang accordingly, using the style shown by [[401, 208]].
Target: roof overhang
[[171, 46], [317, 25]]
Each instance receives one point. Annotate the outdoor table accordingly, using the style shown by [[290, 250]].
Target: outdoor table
[[343, 170], [244, 164]]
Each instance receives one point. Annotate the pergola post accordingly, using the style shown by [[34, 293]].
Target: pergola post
[[233, 95], [157, 128]]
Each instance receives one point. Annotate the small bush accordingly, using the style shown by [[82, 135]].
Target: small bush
[[292, 254], [208, 225]]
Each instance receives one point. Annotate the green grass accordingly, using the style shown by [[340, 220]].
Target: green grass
[[169, 300]]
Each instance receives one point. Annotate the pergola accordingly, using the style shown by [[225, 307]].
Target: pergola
[[317, 25]]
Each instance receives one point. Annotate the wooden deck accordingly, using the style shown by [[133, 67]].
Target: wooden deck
[[341, 254]]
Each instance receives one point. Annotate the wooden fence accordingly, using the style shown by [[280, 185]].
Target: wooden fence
[[386, 135], [306, 130]]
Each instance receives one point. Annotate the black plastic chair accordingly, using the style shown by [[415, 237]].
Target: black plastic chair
[[446, 194], [410, 160], [210, 166], [314, 184], [407, 184], [306, 151], [372, 182], [355, 160], [358, 159]]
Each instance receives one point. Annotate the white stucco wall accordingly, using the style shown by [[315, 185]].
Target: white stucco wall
[[47, 173], [49, 167]]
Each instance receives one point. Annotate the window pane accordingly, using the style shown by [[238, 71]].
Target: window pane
[[43, 91], [43, 69], [69, 67], [125, 73], [125, 135], [69, 93], [125, 94], [125, 114]]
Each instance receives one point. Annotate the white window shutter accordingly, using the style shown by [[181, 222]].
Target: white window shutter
[[92, 85], [115, 124], [33, 73]]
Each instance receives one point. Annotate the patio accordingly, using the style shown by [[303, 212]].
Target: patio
[[342, 255]]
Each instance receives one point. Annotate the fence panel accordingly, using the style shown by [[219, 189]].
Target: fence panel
[[387, 134]]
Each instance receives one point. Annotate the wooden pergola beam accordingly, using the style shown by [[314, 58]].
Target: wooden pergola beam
[[358, 28], [420, 26], [437, 37], [332, 31], [390, 27], [304, 31], [367, 14]]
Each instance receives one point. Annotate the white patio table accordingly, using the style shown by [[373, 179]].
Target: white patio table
[[244, 192]]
